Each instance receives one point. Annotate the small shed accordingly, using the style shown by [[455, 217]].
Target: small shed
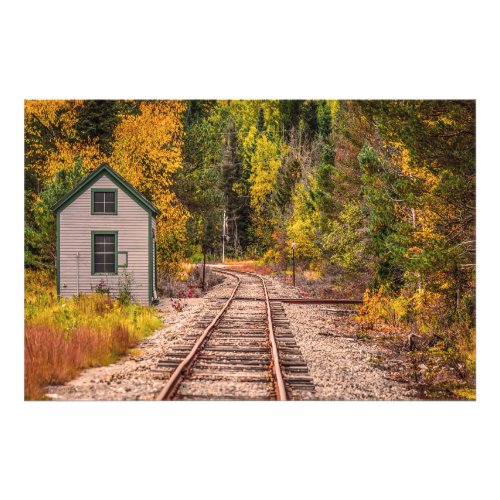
[[106, 232]]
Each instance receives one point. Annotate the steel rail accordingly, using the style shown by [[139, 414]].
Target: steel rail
[[174, 381], [278, 376], [317, 301], [298, 301]]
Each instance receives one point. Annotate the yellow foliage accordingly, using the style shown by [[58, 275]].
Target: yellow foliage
[[428, 307], [147, 146], [147, 151], [374, 308], [423, 306], [379, 307], [264, 163], [334, 108], [303, 226], [245, 114], [53, 115], [426, 215], [67, 153], [272, 256], [56, 119]]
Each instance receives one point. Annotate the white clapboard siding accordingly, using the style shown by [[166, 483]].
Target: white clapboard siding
[[76, 225]]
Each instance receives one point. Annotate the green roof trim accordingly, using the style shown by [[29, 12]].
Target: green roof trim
[[104, 169], [150, 259]]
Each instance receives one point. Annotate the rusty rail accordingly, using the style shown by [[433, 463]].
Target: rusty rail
[[318, 301], [278, 376], [298, 301]]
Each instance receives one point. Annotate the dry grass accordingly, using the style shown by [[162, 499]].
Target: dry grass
[[50, 358], [64, 336], [250, 266]]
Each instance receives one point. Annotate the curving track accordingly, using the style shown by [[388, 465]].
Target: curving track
[[245, 351]]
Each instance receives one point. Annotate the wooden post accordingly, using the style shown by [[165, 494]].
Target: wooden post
[[223, 236], [235, 239], [293, 264], [204, 263]]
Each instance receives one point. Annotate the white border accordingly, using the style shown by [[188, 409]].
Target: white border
[[257, 49]]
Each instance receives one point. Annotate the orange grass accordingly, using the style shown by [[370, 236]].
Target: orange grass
[[52, 359], [62, 337]]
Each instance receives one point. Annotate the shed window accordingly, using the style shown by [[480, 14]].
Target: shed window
[[104, 253], [104, 202]]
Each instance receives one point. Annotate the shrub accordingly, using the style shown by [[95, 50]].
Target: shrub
[[383, 307], [126, 283], [443, 360], [102, 288], [272, 256]]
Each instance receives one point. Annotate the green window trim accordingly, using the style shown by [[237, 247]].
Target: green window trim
[[103, 190], [115, 234], [126, 259]]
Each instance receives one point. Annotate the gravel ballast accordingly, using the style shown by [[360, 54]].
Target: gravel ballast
[[342, 366]]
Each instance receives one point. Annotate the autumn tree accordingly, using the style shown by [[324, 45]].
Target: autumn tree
[[141, 140], [52, 142], [147, 151], [431, 147], [265, 163], [52, 146]]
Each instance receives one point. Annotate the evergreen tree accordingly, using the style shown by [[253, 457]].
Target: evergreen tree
[[310, 119], [324, 120], [40, 233], [288, 175], [261, 121], [290, 111], [388, 236], [97, 120]]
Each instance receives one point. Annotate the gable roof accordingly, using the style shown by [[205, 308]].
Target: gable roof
[[101, 170]]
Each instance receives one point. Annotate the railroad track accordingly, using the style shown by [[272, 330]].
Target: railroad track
[[245, 351]]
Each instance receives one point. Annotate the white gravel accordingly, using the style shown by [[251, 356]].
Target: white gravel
[[343, 367]]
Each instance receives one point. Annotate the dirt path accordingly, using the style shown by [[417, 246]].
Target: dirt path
[[343, 367]]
